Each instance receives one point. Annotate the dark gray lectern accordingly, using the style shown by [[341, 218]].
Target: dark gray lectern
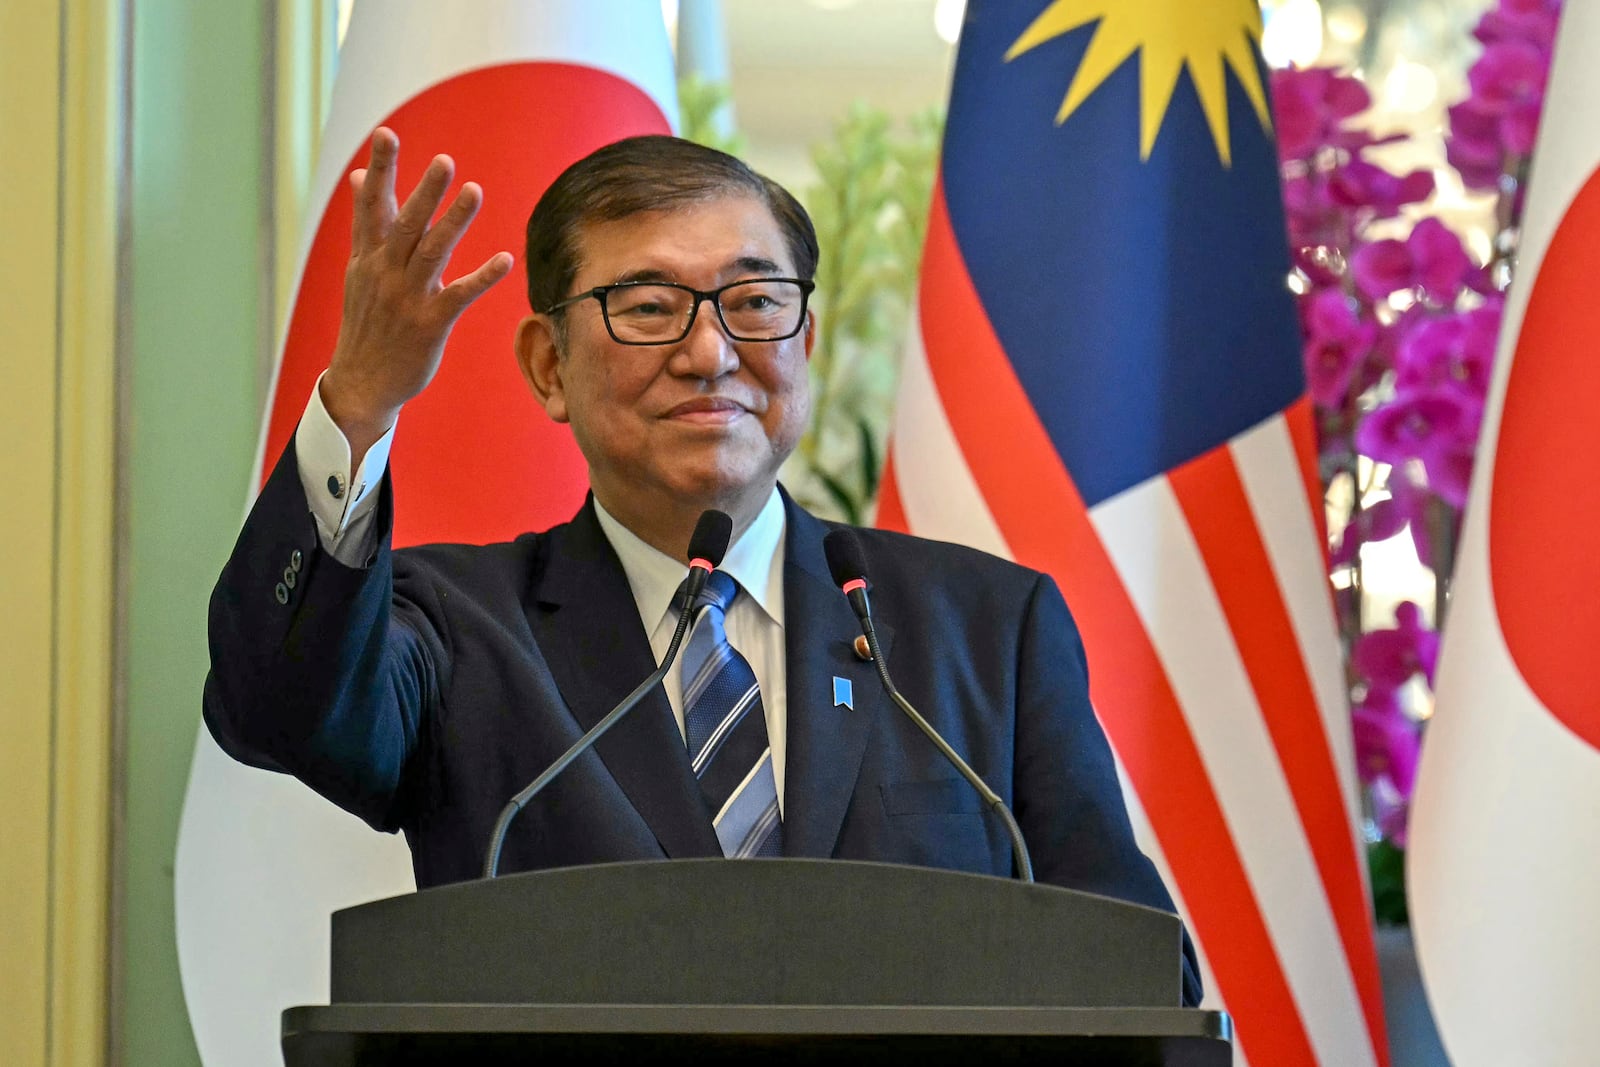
[[785, 961]]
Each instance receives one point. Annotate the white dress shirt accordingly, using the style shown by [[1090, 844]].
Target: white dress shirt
[[343, 501]]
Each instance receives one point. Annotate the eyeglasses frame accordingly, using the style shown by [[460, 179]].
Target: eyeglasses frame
[[598, 293]]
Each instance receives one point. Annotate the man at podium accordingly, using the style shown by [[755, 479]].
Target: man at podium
[[422, 688]]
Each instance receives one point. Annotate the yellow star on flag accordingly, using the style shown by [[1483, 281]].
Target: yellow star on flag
[[1169, 35]]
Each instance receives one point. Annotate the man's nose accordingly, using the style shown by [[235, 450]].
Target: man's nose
[[708, 350]]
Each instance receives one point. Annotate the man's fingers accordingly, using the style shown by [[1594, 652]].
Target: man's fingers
[[460, 294], [433, 252], [405, 235], [374, 202], [357, 177], [412, 222]]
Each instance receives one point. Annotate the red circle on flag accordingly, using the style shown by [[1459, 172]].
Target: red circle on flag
[[1544, 503], [475, 458]]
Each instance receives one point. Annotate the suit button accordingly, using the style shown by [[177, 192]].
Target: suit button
[[335, 486], [282, 593], [290, 577], [295, 559]]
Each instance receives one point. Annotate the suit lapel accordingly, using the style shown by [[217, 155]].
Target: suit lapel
[[825, 741], [587, 623]]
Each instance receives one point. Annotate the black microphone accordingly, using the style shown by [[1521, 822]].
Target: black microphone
[[848, 567], [706, 548]]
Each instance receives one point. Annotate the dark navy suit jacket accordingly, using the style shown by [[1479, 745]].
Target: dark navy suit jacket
[[423, 691]]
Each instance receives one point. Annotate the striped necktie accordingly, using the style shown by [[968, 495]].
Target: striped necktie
[[726, 729]]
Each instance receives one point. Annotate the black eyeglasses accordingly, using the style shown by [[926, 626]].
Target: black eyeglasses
[[662, 313]]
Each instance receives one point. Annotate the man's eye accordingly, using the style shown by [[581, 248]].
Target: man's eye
[[758, 300], [647, 304]]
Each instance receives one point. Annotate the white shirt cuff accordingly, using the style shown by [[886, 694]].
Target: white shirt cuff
[[342, 501]]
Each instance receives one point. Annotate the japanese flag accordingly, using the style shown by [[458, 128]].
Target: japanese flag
[[1504, 863], [515, 92]]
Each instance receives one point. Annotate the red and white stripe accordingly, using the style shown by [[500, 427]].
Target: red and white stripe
[[1214, 667], [1145, 834]]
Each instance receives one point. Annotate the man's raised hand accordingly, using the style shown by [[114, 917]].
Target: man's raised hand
[[397, 311]]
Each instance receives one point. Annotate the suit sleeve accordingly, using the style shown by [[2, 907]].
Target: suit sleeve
[[1069, 801], [317, 668]]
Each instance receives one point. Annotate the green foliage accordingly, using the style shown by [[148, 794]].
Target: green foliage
[[699, 104], [870, 207], [1386, 865]]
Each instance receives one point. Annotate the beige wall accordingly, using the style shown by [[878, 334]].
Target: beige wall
[[150, 152], [58, 166]]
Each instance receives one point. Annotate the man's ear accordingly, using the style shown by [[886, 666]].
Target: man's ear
[[539, 356], [810, 331]]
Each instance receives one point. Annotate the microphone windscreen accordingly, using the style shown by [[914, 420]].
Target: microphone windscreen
[[845, 559], [710, 538]]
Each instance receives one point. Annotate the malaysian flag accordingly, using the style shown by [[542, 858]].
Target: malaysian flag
[[1104, 382]]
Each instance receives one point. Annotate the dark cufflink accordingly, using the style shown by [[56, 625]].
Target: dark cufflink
[[863, 650], [335, 486], [281, 592]]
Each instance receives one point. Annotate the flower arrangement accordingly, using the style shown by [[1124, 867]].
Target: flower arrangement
[[1400, 328]]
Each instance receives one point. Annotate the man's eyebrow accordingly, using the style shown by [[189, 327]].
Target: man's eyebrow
[[756, 265], [742, 267], [643, 276]]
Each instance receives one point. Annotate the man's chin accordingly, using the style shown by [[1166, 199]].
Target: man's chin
[[724, 489]]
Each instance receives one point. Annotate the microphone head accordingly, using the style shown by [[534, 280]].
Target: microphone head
[[846, 562], [709, 542]]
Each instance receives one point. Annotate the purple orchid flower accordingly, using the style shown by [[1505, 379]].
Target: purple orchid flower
[[1308, 211], [1388, 658], [1501, 116], [1414, 423], [1309, 108], [1509, 73], [1451, 351], [1532, 21], [1442, 263], [1450, 470], [1337, 342], [1411, 500], [1378, 521], [1358, 183], [1382, 268], [1386, 741], [1508, 82], [1431, 259], [1389, 338], [1475, 147]]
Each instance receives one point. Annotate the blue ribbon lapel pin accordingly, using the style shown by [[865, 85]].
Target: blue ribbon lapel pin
[[843, 693]]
